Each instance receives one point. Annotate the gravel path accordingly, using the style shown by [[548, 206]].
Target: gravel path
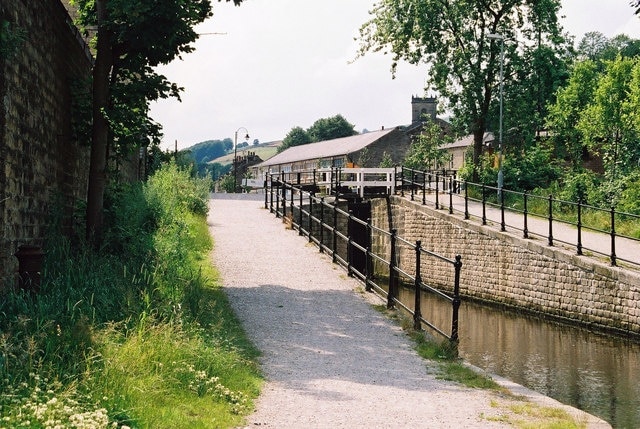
[[330, 359]]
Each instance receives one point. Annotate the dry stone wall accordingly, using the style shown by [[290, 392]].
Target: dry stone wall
[[42, 165], [503, 269]]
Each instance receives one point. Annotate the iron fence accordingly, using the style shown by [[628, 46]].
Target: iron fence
[[446, 191], [329, 227]]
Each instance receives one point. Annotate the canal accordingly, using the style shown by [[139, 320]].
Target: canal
[[597, 373]]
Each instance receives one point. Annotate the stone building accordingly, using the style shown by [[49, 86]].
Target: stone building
[[362, 150], [44, 165]]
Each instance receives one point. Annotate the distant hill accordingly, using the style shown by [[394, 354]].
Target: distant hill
[[263, 150], [204, 152]]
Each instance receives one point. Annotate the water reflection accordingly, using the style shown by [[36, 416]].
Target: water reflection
[[596, 373]]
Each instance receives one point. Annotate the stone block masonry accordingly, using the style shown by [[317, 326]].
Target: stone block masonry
[[43, 165], [522, 274]]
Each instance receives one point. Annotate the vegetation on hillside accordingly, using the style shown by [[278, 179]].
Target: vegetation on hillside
[[321, 130], [137, 334]]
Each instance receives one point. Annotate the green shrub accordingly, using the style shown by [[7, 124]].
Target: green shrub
[[630, 197], [135, 333]]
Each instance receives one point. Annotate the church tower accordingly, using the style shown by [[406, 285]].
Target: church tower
[[423, 109]]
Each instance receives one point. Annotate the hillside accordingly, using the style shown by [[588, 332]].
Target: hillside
[[263, 150]]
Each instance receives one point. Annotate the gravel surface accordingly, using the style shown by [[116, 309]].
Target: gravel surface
[[330, 359]]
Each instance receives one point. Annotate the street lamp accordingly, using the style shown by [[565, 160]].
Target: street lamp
[[497, 36], [235, 157]]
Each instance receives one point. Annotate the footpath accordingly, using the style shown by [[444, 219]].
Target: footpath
[[329, 358]]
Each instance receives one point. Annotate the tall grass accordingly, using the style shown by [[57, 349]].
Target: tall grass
[[136, 334]]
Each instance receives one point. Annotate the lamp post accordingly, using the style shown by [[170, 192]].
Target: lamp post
[[497, 36], [235, 157]]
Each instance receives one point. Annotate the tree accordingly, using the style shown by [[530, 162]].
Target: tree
[[452, 37], [330, 128], [596, 46], [321, 130], [609, 123], [295, 137], [133, 36], [565, 113], [425, 152], [592, 45]]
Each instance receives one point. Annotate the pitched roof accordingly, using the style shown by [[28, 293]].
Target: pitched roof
[[326, 148], [468, 141]]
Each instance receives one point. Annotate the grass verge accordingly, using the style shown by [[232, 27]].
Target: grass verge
[[136, 335]]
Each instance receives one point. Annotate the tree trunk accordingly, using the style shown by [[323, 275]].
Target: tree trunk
[[100, 132]]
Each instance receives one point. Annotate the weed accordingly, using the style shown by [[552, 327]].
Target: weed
[[135, 334]]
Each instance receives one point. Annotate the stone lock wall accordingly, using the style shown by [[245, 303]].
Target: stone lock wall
[[42, 165], [503, 269]]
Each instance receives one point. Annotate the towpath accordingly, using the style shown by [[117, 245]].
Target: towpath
[[329, 358]]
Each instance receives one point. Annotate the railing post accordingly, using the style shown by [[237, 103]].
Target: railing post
[[284, 200], [579, 225], [613, 237], [466, 200], [456, 182], [417, 324], [321, 238], [393, 285], [424, 188], [311, 196], [300, 218], [367, 259], [315, 183], [456, 300], [437, 192], [270, 193], [413, 181], [484, 205], [402, 181], [450, 195], [266, 200], [502, 222], [525, 229], [334, 239], [291, 206], [349, 246], [278, 184], [550, 220]]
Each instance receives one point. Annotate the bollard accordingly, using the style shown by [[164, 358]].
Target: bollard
[[30, 260]]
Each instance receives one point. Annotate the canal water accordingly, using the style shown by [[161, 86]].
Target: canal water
[[597, 373]]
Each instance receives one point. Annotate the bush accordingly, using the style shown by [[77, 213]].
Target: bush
[[583, 186], [133, 332], [630, 197]]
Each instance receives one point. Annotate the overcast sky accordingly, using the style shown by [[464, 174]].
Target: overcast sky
[[286, 63]]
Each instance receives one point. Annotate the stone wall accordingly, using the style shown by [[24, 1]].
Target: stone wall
[[500, 268], [42, 165]]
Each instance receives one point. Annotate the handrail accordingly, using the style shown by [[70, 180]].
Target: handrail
[[323, 231], [556, 212]]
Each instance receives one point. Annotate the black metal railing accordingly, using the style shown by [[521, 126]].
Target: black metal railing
[[326, 225], [446, 191]]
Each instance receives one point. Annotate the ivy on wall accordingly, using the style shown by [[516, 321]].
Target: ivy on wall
[[11, 38]]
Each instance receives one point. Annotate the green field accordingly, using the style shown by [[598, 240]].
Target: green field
[[264, 151]]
